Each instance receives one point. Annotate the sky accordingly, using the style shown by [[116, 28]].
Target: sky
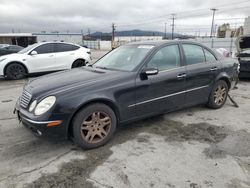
[[192, 16]]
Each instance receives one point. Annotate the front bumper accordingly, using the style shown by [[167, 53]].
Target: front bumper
[[40, 125]]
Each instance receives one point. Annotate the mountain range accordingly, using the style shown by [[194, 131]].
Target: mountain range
[[138, 32]]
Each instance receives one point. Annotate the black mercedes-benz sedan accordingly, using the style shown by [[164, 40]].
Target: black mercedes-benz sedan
[[131, 82]]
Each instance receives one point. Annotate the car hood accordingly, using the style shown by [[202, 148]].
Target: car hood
[[13, 56], [243, 43], [70, 80]]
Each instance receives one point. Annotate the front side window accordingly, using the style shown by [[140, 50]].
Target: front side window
[[166, 58], [45, 49], [194, 54]]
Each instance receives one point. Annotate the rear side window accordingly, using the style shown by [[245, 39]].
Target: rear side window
[[45, 48], [66, 47], [194, 54], [209, 56]]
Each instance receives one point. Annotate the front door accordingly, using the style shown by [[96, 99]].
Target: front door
[[44, 60], [166, 90]]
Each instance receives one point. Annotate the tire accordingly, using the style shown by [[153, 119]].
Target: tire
[[218, 95], [15, 71], [78, 63], [94, 126]]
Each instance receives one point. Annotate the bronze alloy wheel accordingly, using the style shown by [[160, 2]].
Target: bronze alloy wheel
[[220, 94], [96, 127]]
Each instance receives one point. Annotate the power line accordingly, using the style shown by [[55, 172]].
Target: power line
[[183, 14]]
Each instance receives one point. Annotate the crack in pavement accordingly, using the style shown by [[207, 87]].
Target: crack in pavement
[[95, 181], [37, 168], [9, 118]]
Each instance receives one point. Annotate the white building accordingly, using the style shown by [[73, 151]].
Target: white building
[[247, 26]]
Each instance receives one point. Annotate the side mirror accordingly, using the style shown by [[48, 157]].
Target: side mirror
[[148, 72], [33, 52]]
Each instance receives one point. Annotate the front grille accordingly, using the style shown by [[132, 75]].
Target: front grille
[[25, 99]]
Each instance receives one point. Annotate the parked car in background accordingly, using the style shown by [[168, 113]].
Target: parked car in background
[[223, 52], [131, 82], [6, 49], [243, 55], [43, 57]]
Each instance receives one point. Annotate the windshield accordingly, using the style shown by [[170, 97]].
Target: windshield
[[28, 48], [3, 45], [124, 58]]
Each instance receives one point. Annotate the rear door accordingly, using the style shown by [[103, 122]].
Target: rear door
[[202, 68], [65, 55], [166, 90]]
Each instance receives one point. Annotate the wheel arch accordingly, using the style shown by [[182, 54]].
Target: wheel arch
[[18, 62], [225, 78], [82, 59], [107, 102]]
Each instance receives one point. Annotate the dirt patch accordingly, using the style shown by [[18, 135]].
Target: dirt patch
[[76, 173]]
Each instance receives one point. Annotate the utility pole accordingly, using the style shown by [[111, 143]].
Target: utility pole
[[89, 32], [165, 35], [113, 35], [212, 26], [173, 19]]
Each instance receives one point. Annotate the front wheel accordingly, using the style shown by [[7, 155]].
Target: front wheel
[[15, 71], [218, 95], [94, 125]]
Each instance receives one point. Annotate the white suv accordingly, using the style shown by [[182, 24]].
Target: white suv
[[43, 57]]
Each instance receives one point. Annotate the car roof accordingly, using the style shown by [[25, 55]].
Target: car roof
[[48, 42], [162, 42]]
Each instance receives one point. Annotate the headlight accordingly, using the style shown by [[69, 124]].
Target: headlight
[[2, 59], [45, 105], [32, 106]]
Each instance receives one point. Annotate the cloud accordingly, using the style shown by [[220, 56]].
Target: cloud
[[77, 15]]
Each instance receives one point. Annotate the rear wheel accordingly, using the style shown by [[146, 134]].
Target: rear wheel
[[78, 63], [15, 71], [94, 125], [218, 95]]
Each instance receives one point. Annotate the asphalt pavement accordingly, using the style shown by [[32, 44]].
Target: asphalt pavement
[[193, 148]]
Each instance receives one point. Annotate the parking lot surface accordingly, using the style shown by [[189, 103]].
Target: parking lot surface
[[195, 147]]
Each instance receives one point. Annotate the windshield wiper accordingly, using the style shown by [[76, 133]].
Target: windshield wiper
[[89, 65], [100, 67]]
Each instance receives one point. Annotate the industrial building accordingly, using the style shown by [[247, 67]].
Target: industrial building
[[21, 39]]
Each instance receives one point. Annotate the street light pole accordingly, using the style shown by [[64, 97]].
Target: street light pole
[[212, 26]]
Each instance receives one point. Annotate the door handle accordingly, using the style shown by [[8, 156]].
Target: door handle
[[183, 75], [214, 69], [51, 55], [72, 54]]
